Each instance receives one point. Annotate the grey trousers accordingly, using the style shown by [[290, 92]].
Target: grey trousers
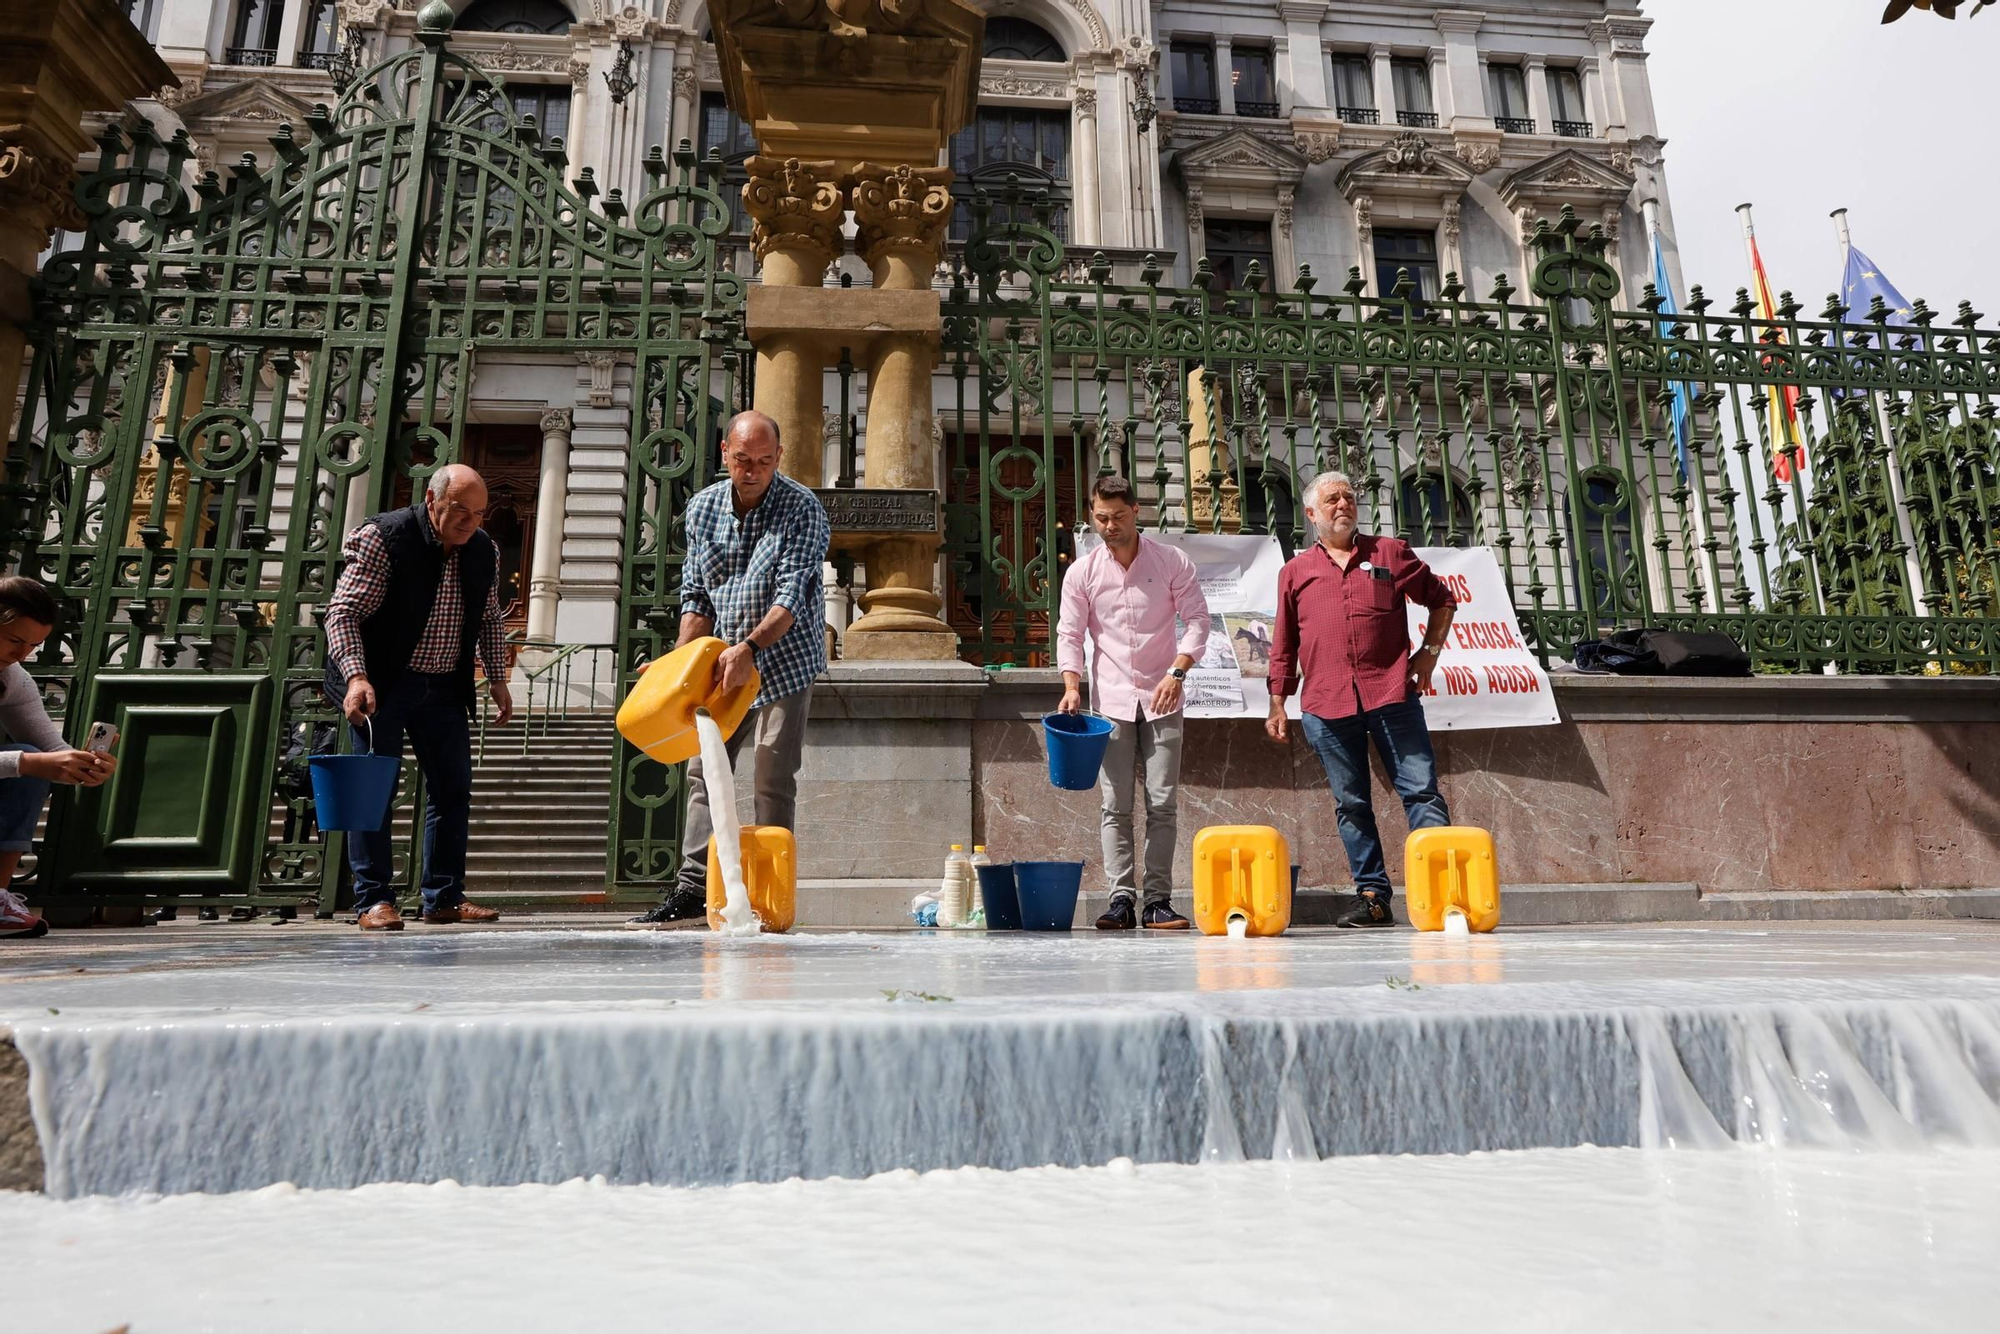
[[1154, 746], [780, 732]]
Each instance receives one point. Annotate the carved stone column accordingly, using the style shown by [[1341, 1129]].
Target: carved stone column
[[797, 207], [1083, 218], [64, 59], [901, 213], [551, 503]]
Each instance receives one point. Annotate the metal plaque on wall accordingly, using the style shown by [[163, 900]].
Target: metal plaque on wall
[[880, 511]]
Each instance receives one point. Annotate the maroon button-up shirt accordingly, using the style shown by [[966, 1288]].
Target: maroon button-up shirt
[[1342, 633]]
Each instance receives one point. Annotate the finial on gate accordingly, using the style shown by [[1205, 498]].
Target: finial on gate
[[435, 17]]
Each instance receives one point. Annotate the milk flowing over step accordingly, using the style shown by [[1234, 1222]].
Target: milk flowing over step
[[692, 1095], [719, 776]]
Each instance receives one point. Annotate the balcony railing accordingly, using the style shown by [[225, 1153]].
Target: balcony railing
[[1198, 106], [1361, 115], [1418, 120], [1575, 129], [1257, 110], [250, 55], [317, 59], [1515, 124]]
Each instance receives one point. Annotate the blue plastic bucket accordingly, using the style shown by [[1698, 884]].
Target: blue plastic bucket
[[997, 892], [352, 792], [1047, 892], [1076, 748]]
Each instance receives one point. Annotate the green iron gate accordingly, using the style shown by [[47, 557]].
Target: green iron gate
[[226, 378], [1543, 427]]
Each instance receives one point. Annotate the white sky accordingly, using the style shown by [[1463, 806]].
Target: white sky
[[1802, 106]]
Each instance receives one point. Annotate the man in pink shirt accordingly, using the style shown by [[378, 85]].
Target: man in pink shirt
[[1126, 595]]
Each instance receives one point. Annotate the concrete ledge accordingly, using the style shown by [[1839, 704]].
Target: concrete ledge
[[1781, 699], [899, 690], [1852, 905]]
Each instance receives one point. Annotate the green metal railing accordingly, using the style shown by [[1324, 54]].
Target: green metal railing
[[553, 681], [1540, 426]]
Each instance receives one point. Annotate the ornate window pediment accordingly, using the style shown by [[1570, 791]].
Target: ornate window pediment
[[1412, 166], [1243, 160], [251, 100], [1568, 177]]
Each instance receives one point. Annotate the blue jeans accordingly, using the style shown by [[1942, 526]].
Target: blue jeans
[[432, 713], [21, 802], [1404, 743]]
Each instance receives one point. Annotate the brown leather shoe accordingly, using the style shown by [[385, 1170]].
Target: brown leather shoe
[[382, 917], [462, 912]]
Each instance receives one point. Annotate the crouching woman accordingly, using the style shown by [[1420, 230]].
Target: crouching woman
[[33, 754]]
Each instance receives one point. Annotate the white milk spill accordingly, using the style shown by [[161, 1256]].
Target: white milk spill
[[720, 777], [1583, 1239]]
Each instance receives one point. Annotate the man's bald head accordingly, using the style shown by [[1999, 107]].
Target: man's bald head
[[750, 452], [456, 503]]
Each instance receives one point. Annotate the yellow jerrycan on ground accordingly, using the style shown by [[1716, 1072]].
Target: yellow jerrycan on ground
[[1242, 871], [1447, 867], [658, 716], [770, 876]]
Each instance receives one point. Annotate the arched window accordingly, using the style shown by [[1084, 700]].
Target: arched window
[[1432, 512], [1027, 142], [1018, 39], [533, 17]]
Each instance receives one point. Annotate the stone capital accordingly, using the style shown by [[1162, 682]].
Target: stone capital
[[37, 192], [794, 204], [901, 207], [1466, 21], [557, 421]]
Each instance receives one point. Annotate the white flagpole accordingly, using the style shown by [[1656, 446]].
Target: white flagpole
[[1905, 531], [1650, 210]]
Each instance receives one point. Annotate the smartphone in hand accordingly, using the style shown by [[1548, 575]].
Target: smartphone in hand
[[103, 736]]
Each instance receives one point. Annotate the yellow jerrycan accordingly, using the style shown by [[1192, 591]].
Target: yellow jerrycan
[[1242, 871], [658, 716], [770, 876], [1451, 866]]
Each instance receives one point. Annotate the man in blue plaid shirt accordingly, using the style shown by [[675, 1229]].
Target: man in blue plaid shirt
[[755, 547]]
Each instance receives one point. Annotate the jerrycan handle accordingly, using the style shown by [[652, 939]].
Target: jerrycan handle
[[744, 693]]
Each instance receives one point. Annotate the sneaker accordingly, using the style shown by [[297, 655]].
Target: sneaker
[[1162, 917], [17, 918], [1120, 916], [1367, 910], [680, 904]]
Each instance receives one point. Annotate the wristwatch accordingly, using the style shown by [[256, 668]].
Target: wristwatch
[[1178, 673], [1428, 647]]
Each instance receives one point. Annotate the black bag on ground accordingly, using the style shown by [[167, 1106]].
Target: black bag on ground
[[1687, 654], [1622, 654]]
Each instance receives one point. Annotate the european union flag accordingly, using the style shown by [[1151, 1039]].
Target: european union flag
[[1683, 400], [1863, 283]]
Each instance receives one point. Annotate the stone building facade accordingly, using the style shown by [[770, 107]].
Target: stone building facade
[[1382, 137]]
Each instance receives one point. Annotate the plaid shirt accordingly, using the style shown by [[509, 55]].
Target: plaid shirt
[[365, 582], [738, 569]]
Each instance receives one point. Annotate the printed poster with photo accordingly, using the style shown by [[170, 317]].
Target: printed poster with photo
[[1487, 677]]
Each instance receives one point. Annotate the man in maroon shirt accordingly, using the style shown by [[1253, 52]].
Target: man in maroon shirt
[[1342, 642]]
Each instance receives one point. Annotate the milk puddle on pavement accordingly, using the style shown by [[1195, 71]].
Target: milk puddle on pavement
[[889, 1131]]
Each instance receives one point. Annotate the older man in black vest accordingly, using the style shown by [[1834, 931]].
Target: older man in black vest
[[417, 599]]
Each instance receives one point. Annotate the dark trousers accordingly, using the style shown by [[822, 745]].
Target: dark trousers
[[1404, 743], [431, 712]]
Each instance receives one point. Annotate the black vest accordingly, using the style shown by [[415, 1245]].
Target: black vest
[[416, 566]]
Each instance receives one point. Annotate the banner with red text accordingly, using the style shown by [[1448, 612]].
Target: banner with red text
[[1487, 677]]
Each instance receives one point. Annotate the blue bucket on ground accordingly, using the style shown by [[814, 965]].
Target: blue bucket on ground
[[352, 792], [1002, 900], [1076, 748], [1047, 892]]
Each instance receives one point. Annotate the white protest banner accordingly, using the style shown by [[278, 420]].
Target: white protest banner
[[1239, 580], [1487, 677]]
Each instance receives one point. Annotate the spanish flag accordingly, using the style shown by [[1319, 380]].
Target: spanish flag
[[1782, 412]]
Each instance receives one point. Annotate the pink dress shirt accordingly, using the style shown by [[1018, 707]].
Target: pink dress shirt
[[1129, 616]]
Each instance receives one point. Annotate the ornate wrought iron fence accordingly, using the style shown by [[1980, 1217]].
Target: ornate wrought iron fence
[[1541, 424], [226, 378]]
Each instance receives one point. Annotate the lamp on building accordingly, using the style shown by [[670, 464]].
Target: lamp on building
[[343, 65], [619, 77], [1143, 108]]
